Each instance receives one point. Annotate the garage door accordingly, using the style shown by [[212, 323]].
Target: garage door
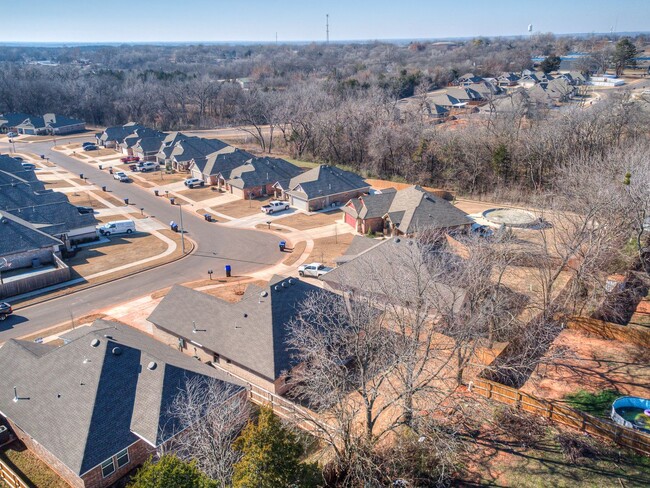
[[299, 204], [351, 221]]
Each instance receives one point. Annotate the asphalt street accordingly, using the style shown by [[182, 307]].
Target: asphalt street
[[245, 250]]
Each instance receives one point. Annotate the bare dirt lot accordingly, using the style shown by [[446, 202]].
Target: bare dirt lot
[[302, 221], [200, 194], [242, 208], [327, 249], [85, 198], [120, 251], [162, 178], [591, 364]]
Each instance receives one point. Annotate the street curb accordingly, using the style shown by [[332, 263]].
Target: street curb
[[144, 270]]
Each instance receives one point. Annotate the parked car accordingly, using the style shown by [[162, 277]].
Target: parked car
[[130, 159], [87, 143], [121, 176], [315, 270], [29, 166], [90, 147], [5, 310], [148, 166], [17, 158], [275, 206], [11, 134], [192, 182], [117, 227], [85, 210]]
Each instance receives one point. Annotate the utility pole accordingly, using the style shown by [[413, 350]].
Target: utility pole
[[327, 28], [180, 211]]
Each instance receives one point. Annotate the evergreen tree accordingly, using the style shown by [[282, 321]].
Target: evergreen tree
[[550, 63], [502, 162], [170, 471], [271, 456], [624, 55]]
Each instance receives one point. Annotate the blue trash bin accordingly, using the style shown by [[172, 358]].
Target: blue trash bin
[[228, 270]]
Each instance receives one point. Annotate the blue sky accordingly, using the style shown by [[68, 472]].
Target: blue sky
[[259, 20]]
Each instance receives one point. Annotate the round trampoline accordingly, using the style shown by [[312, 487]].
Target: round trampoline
[[511, 217], [633, 412]]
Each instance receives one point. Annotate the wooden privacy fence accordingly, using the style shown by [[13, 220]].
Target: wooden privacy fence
[[581, 421], [634, 334], [10, 478]]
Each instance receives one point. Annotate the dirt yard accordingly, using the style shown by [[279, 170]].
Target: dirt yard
[[295, 253], [200, 194], [241, 208], [162, 178], [327, 249], [85, 198], [302, 221], [29, 466], [51, 185], [233, 293], [120, 251], [590, 363]]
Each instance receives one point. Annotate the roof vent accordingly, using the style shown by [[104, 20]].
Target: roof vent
[[264, 294], [245, 315], [285, 284], [94, 342], [276, 288], [152, 365], [397, 239], [116, 351], [108, 336], [291, 281]]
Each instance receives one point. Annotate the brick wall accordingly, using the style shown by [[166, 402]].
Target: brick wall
[[24, 259], [47, 457], [375, 225], [138, 454], [340, 199]]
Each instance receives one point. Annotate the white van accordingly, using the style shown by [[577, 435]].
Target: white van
[[117, 227]]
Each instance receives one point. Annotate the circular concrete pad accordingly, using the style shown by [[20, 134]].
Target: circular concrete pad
[[512, 217]]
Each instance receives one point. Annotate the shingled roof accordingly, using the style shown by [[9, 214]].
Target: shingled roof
[[252, 332], [91, 398], [412, 208], [262, 171], [325, 180], [18, 235], [222, 161]]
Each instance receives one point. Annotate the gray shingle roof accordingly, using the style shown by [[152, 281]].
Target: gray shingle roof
[[18, 235], [325, 180], [389, 264], [251, 332], [261, 171], [13, 119], [195, 148], [411, 207], [50, 211], [118, 133], [222, 161], [84, 403]]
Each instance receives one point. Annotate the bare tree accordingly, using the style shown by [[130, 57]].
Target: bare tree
[[206, 417]]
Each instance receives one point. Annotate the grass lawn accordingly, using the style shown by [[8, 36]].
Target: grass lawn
[[598, 403], [327, 249], [201, 193], [241, 208], [30, 467], [49, 185], [162, 178], [296, 252], [302, 221]]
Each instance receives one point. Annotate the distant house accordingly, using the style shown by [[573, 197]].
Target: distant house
[[445, 100], [465, 94], [97, 407], [404, 212], [167, 146], [13, 171], [218, 163], [9, 122], [468, 79], [508, 79], [418, 106], [143, 142], [113, 136], [321, 187], [551, 93], [248, 338], [517, 102], [259, 177], [51, 124]]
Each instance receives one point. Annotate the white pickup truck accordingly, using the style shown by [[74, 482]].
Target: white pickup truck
[[316, 270], [275, 206]]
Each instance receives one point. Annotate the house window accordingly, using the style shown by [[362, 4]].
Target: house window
[[108, 468], [122, 458]]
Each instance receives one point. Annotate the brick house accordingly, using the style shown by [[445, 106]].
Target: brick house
[[321, 187], [403, 212], [98, 406], [211, 168], [52, 124], [258, 177], [247, 338]]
